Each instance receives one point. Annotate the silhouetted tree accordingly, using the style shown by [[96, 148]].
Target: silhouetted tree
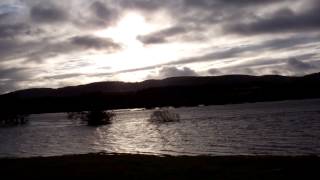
[[94, 117], [164, 115], [13, 119], [97, 117]]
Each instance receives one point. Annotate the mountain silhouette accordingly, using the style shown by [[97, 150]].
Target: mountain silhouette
[[175, 91]]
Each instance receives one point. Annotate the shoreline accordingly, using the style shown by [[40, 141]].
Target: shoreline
[[137, 166]]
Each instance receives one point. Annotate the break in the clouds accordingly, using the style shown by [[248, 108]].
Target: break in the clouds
[[46, 43]]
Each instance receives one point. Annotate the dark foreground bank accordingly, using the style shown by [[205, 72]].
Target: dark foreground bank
[[168, 167]]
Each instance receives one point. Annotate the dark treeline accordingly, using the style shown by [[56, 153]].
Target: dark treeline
[[178, 91]]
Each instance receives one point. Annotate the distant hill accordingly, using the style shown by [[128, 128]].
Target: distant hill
[[176, 91]]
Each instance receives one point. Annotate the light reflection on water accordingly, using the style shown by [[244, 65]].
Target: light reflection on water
[[275, 128]]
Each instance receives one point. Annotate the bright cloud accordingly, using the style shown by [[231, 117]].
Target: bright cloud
[[46, 43]]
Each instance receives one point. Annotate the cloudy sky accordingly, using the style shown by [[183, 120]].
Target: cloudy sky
[[47, 43]]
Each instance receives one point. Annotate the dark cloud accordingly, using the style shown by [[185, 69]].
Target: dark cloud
[[7, 86], [209, 4], [300, 66], [215, 55], [32, 50], [211, 12], [37, 30], [9, 11], [236, 52], [145, 5], [72, 45], [245, 70], [41, 49], [18, 30], [171, 71], [197, 18], [92, 42], [4, 16], [11, 49], [11, 73], [214, 71], [101, 10], [11, 26], [282, 21], [264, 62], [64, 76], [149, 39], [86, 15], [12, 30], [104, 14], [162, 35], [11, 77], [290, 42], [48, 13], [167, 70], [296, 66], [275, 44]]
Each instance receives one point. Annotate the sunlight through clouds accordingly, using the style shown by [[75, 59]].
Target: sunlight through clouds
[[130, 40]]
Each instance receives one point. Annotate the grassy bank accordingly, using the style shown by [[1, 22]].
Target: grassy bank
[[168, 167]]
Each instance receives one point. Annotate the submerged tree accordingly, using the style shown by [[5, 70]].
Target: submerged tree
[[13, 119], [164, 115], [93, 118]]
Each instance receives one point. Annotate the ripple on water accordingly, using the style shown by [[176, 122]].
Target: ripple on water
[[247, 129]]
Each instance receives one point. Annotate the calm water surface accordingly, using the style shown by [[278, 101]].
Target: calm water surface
[[272, 128]]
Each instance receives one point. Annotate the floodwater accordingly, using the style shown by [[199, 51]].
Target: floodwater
[[268, 128]]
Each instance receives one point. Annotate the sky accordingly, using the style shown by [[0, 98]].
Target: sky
[[51, 44]]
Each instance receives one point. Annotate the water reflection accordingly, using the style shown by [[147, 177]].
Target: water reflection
[[260, 128], [136, 134]]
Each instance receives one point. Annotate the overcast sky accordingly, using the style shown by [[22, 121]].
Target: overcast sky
[[47, 43]]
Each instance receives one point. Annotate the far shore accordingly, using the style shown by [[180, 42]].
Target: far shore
[[134, 166]]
